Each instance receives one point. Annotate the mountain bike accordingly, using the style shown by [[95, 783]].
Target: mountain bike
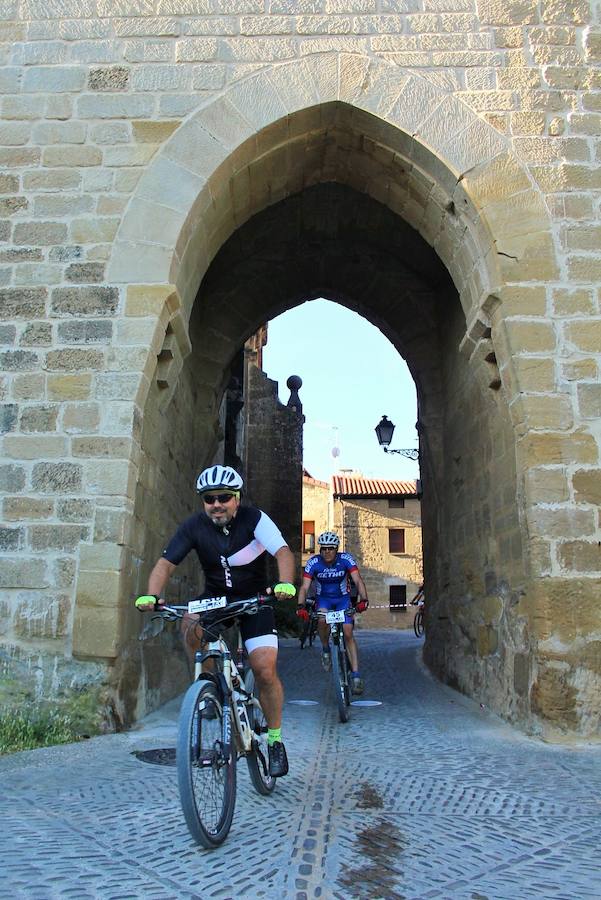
[[220, 721], [341, 667], [309, 628]]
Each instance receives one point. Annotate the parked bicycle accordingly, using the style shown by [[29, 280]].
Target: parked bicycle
[[220, 721], [418, 621], [341, 666], [309, 626]]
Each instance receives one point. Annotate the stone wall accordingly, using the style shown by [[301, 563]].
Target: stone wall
[[141, 138]]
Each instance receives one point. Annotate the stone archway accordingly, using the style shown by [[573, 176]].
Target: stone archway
[[430, 161]]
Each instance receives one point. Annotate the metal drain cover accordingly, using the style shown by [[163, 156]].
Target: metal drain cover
[[366, 703], [304, 702], [161, 757]]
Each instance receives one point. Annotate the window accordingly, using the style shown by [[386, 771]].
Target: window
[[308, 537], [396, 503], [396, 540], [397, 598]]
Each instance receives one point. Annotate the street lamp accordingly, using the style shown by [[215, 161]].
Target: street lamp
[[384, 430]]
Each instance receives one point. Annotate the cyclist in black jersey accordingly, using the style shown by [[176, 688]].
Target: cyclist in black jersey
[[230, 541]]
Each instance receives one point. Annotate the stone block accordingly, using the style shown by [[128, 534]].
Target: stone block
[[18, 360], [8, 335], [109, 78], [59, 206], [85, 301], [85, 273], [113, 478], [561, 522], [111, 526], [63, 572], [115, 106], [41, 234], [579, 370], [527, 336], [149, 132], [585, 335], [11, 539], [37, 334], [580, 556], [23, 573], [81, 418], [35, 446], [148, 299], [8, 417], [96, 627], [101, 447], [75, 509], [39, 418], [587, 486], [89, 331], [547, 485], [12, 478], [69, 387], [22, 509], [540, 449], [538, 412], [56, 537], [94, 231], [71, 156], [59, 133], [41, 617], [74, 360], [36, 273], [57, 478], [101, 557], [54, 79], [31, 386], [65, 254], [573, 302], [22, 303]]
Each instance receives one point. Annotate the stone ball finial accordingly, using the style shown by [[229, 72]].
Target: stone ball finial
[[294, 383]]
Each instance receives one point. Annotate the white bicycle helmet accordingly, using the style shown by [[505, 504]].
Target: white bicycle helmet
[[328, 539], [218, 478]]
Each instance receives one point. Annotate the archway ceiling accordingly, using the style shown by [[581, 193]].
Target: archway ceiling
[[338, 143], [333, 241]]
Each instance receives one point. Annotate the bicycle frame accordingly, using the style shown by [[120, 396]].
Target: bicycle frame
[[234, 688]]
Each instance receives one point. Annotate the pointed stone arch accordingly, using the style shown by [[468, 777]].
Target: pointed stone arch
[[390, 134]]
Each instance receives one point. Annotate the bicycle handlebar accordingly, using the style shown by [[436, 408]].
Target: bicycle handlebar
[[234, 607]]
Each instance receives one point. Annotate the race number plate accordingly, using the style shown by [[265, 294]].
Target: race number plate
[[337, 616], [199, 606]]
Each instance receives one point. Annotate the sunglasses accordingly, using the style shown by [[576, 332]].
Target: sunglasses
[[210, 499]]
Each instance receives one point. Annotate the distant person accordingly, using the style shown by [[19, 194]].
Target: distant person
[[331, 570]]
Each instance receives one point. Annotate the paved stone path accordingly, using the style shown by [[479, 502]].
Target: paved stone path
[[425, 796]]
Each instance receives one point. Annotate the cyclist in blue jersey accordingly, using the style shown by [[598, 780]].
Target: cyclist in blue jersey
[[231, 542], [330, 571]]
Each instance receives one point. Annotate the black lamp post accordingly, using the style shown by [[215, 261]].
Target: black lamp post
[[384, 430]]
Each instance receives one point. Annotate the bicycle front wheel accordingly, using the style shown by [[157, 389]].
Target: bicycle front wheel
[[340, 676], [312, 630], [258, 758], [418, 623], [206, 778]]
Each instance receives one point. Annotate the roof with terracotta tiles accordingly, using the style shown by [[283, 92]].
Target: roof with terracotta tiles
[[357, 486]]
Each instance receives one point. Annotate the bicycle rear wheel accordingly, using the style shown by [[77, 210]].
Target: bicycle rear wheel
[[206, 780], [340, 676], [418, 623], [258, 758]]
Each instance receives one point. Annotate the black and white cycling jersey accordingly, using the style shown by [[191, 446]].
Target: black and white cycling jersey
[[232, 556]]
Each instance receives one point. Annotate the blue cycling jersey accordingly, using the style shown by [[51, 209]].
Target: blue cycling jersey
[[331, 580]]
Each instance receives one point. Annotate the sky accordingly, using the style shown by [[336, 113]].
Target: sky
[[352, 376]]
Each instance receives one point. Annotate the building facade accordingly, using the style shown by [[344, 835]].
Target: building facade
[[379, 523]]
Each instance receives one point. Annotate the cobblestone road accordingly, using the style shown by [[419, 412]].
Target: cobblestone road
[[424, 796]]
